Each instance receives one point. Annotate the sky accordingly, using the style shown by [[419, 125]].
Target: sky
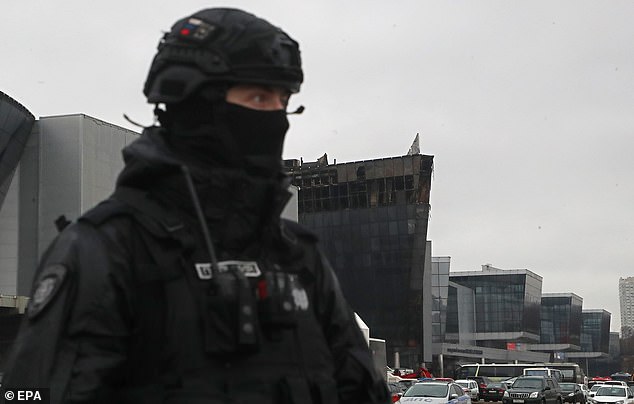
[[527, 106]]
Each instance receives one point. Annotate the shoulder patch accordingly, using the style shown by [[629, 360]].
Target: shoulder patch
[[48, 283]]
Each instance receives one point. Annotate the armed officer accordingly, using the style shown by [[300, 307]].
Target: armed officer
[[185, 286]]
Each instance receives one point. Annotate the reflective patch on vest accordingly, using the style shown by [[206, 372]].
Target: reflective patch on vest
[[204, 270], [248, 268], [49, 282]]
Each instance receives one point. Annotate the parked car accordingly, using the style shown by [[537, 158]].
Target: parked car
[[615, 382], [597, 380], [594, 388], [435, 393], [407, 383], [483, 381], [572, 393], [533, 390], [470, 387], [613, 394], [494, 391]]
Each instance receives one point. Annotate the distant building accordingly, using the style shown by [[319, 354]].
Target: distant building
[[455, 318], [371, 217], [507, 305], [561, 320], [440, 267], [626, 298], [595, 331], [453, 306]]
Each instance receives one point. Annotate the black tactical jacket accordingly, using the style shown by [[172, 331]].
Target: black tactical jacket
[[126, 307]]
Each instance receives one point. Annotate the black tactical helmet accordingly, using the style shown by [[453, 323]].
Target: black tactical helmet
[[221, 45]]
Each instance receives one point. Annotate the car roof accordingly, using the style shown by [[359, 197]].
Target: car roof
[[435, 383]]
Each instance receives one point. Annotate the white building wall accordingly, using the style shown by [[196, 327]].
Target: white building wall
[[59, 174], [72, 165], [9, 239], [79, 164], [101, 159]]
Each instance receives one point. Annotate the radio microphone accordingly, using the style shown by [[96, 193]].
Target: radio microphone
[[298, 111]]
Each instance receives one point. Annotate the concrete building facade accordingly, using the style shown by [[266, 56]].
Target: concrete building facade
[[626, 303], [69, 164]]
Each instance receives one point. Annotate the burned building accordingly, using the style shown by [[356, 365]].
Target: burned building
[[371, 217]]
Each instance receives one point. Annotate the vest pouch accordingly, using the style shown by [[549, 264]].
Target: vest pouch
[[230, 315]]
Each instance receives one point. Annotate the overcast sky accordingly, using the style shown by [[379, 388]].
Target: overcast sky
[[528, 108]]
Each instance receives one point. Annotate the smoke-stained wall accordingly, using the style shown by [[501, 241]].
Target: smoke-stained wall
[[371, 217]]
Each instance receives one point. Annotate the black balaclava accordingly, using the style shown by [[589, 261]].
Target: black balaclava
[[216, 132]]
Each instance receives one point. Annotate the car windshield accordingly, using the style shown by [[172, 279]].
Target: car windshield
[[611, 391], [427, 390], [495, 385], [527, 384], [463, 384], [596, 387], [567, 386]]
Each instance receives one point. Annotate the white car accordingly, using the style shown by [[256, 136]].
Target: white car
[[612, 394], [615, 382], [470, 387], [594, 389], [435, 393]]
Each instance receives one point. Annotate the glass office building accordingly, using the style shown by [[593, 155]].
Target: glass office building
[[507, 305], [561, 319], [440, 294], [595, 331], [371, 217]]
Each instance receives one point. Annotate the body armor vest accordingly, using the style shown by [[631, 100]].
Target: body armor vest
[[208, 334]]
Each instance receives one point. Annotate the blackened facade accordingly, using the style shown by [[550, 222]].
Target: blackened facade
[[371, 217]]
